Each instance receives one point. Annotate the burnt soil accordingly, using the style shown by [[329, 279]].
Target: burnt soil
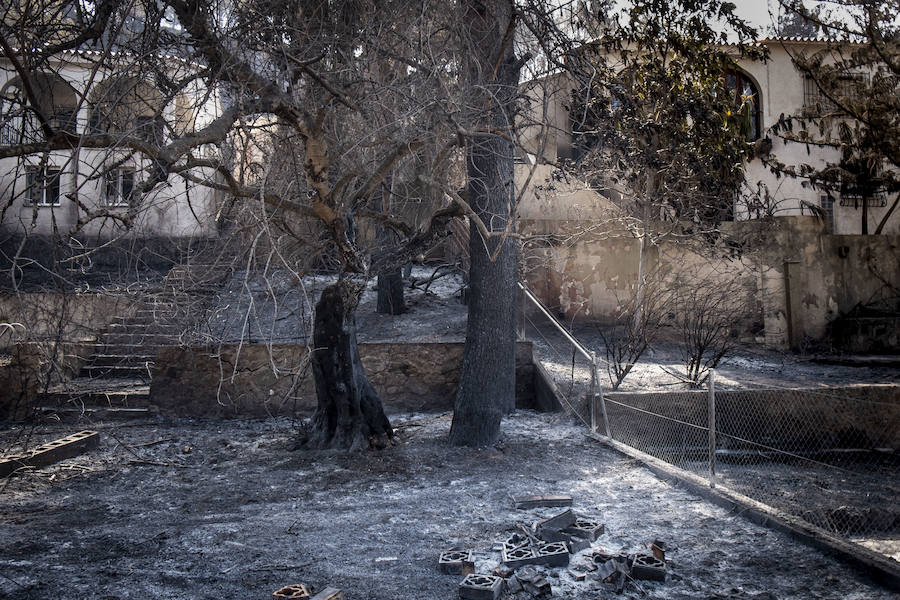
[[179, 509]]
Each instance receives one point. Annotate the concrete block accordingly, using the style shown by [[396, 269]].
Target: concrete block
[[514, 541], [51, 452], [546, 501], [454, 562], [658, 547], [554, 554], [517, 557], [648, 568], [585, 528], [480, 587], [295, 592], [534, 583]]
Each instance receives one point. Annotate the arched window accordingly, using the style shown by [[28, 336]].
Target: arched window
[[127, 106], [747, 99], [57, 102]]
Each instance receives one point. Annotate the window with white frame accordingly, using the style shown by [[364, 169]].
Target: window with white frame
[[42, 186], [118, 187]]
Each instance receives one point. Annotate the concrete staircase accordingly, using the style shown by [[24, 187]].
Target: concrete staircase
[[115, 380]]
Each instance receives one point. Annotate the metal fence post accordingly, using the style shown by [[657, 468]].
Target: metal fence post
[[592, 397], [712, 427], [597, 393]]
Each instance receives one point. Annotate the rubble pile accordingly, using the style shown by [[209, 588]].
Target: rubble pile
[[534, 555]]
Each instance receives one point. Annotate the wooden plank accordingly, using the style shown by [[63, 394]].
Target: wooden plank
[[552, 500], [51, 452]]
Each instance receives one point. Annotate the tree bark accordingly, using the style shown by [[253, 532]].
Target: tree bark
[[349, 414], [487, 387]]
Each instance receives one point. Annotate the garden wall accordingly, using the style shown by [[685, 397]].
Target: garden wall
[[260, 381]]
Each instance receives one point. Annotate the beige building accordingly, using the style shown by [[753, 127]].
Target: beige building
[[808, 268]]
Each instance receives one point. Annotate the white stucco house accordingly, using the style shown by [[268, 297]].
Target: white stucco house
[[94, 192]]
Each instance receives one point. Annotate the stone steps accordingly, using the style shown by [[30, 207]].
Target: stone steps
[[74, 414], [142, 372]]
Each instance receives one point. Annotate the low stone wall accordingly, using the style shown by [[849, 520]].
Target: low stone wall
[[858, 417], [71, 317], [242, 382], [30, 367]]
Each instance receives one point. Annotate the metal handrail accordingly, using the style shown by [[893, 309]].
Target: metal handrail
[[596, 392], [587, 354]]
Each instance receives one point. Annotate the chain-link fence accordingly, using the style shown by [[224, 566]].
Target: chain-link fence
[[830, 457]]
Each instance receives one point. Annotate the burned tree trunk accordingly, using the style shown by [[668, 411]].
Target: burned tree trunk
[[349, 413], [487, 388]]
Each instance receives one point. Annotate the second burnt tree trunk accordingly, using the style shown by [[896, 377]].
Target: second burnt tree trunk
[[390, 281], [487, 388]]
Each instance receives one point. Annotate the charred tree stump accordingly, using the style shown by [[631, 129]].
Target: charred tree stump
[[349, 414]]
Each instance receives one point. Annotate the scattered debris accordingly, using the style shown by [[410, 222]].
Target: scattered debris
[[456, 562], [296, 591], [503, 571], [550, 501], [548, 544], [480, 587], [51, 452], [613, 569], [531, 582]]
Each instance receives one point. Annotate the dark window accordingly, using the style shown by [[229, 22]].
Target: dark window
[[149, 129], [96, 121], [846, 88], [42, 186], [860, 183], [65, 120]]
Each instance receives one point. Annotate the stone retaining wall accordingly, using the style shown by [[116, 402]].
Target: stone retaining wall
[[242, 382]]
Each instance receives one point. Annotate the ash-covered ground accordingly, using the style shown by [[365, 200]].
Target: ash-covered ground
[[218, 510], [182, 509]]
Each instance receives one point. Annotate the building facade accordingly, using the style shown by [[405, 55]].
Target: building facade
[[94, 190]]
